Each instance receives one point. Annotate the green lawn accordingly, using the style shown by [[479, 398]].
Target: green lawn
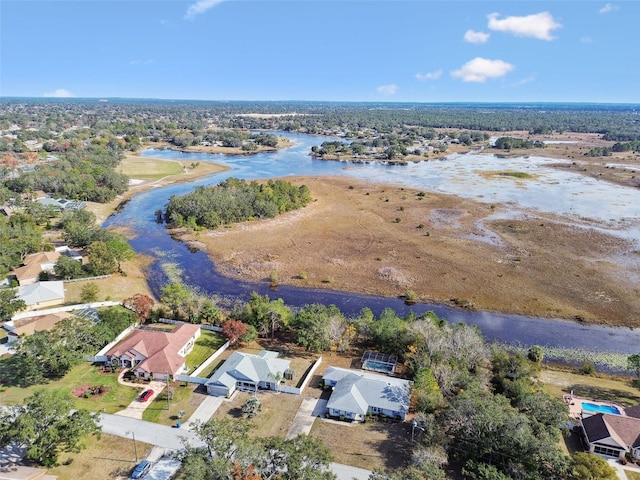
[[631, 475], [118, 397], [205, 346], [166, 412], [150, 168]]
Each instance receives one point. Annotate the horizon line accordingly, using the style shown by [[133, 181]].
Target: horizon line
[[389, 102]]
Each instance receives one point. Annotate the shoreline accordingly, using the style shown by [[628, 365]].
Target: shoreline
[[345, 252]]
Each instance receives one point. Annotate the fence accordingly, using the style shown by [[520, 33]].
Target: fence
[[300, 389], [191, 379], [212, 328], [100, 356], [67, 308], [209, 360], [84, 279]]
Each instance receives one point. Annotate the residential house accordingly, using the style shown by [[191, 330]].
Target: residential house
[[30, 325], [612, 435], [155, 353], [246, 371], [42, 294], [33, 265], [357, 393]]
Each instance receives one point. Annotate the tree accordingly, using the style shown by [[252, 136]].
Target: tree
[[633, 364], [175, 296], [587, 466], [535, 354], [234, 330], [89, 293], [47, 424], [311, 324], [267, 315], [10, 303], [68, 268], [101, 260], [252, 406], [121, 251], [141, 304]]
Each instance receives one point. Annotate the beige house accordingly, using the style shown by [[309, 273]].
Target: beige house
[[42, 294], [30, 325], [156, 353], [33, 265]]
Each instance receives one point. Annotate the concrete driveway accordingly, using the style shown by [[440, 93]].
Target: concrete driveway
[[309, 410], [137, 408]]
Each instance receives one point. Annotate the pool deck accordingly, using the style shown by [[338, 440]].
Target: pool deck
[[575, 409]]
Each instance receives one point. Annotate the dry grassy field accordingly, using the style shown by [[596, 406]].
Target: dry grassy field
[[386, 240]]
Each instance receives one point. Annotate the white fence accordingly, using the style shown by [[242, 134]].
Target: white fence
[[300, 389], [100, 356], [191, 379], [209, 360], [212, 328], [67, 308]]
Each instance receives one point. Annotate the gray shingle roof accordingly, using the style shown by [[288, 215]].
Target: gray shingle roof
[[247, 367], [356, 391]]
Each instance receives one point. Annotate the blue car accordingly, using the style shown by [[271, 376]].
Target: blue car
[[141, 469]]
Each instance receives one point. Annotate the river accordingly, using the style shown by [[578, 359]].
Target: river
[[597, 204]]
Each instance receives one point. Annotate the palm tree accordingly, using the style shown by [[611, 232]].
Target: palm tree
[[277, 377]]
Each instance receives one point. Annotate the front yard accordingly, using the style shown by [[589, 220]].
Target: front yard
[[117, 398]]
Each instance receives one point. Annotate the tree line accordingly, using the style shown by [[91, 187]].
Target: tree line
[[234, 200]]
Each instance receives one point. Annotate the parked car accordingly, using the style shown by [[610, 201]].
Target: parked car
[[145, 395], [141, 469]]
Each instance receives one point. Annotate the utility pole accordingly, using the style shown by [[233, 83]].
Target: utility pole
[[135, 447], [168, 394]]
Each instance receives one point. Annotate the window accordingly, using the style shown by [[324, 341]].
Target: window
[[609, 452]]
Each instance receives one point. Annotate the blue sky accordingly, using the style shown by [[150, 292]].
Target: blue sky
[[356, 50]]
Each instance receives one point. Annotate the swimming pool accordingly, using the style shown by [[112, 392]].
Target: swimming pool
[[594, 408], [378, 366]]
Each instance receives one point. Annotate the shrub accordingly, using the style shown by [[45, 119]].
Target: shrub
[[587, 368]]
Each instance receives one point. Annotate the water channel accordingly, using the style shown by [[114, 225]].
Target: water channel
[[586, 201]]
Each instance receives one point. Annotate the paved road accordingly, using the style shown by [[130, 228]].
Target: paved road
[[148, 432], [174, 438]]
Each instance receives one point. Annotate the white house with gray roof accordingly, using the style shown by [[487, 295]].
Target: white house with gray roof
[[357, 393], [246, 371]]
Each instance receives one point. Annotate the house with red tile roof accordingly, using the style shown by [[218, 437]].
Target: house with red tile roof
[[155, 353]]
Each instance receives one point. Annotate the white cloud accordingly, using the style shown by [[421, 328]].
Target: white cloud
[[472, 36], [608, 8], [387, 89], [59, 93], [199, 7], [524, 81], [480, 69], [429, 75], [586, 39], [539, 25]]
